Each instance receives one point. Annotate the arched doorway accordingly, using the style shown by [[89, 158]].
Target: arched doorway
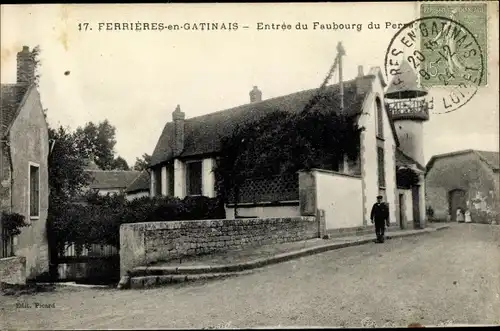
[[456, 199]]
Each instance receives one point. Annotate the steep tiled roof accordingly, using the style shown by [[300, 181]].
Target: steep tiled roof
[[203, 133], [491, 159], [403, 160], [11, 96], [111, 179], [140, 183]]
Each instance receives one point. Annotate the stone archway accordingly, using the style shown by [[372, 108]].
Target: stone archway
[[456, 199]]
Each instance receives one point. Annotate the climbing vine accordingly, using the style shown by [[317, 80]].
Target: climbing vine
[[282, 143]]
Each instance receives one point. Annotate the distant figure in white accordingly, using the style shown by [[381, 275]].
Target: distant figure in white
[[468, 219], [460, 216], [444, 38]]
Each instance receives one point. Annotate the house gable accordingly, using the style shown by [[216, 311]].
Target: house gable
[[490, 159]]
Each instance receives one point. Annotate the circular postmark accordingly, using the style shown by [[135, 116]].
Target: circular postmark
[[441, 53]]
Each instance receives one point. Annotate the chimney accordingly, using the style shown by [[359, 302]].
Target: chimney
[[25, 66], [363, 83], [255, 95], [360, 71], [178, 118]]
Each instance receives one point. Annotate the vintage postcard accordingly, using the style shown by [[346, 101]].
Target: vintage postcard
[[247, 165]]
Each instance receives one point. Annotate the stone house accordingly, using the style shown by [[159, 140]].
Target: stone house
[[24, 169], [111, 182], [467, 179], [185, 156], [139, 187]]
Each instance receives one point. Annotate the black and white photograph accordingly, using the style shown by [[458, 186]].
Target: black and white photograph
[[249, 165]]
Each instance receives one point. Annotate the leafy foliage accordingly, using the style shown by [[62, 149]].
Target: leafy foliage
[[120, 164], [98, 221], [282, 143], [97, 141], [66, 166], [12, 224], [142, 163], [36, 59]]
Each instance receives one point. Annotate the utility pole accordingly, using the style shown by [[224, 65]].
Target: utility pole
[[336, 63], [340, 53]]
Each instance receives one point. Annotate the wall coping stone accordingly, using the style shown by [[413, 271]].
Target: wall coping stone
[[162, 225], [335, 173]]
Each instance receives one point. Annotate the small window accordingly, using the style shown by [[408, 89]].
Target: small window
[[193, 178], [34, 182]]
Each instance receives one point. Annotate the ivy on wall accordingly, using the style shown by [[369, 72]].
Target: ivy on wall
[[282, 143]]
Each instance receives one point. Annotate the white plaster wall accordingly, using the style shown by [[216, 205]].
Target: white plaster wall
[[264, 211], [390, 167], [104, 192], [179, 179], [164, 185], [369, 157], [208, 178], [369, 152], [137, 195], [407, 200], [410, 134], [152, 186], [341, 198]]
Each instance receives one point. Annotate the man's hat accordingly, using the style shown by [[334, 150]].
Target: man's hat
[[379, 197]]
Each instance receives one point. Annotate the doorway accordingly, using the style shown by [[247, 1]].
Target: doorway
[[402, 211], [456, 199], [415, 192]]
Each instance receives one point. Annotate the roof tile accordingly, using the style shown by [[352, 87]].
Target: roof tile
[[11, 95], [140, 183], [111, 179], [203, 133]]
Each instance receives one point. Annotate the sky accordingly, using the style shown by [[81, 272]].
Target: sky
[[135, 79]]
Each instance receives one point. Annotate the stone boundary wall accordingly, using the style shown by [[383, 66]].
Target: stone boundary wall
[[13, 270], [144, 243]]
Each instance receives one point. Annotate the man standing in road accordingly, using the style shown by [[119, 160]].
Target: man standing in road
[[380, 216]]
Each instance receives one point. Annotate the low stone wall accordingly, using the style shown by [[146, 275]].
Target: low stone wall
[[13, 270], [144, 243]]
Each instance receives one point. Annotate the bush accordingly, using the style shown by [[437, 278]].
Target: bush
[[12, 223], [98, 222]]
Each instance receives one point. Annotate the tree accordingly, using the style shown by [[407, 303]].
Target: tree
[[67, 177], [120, 164], [36, 59], [66, 166], [97, 142], [142, 163]]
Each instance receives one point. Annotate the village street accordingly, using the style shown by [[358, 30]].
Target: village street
[[451, 275]]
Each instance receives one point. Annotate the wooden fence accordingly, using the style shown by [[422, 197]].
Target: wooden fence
[[97, 264]]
